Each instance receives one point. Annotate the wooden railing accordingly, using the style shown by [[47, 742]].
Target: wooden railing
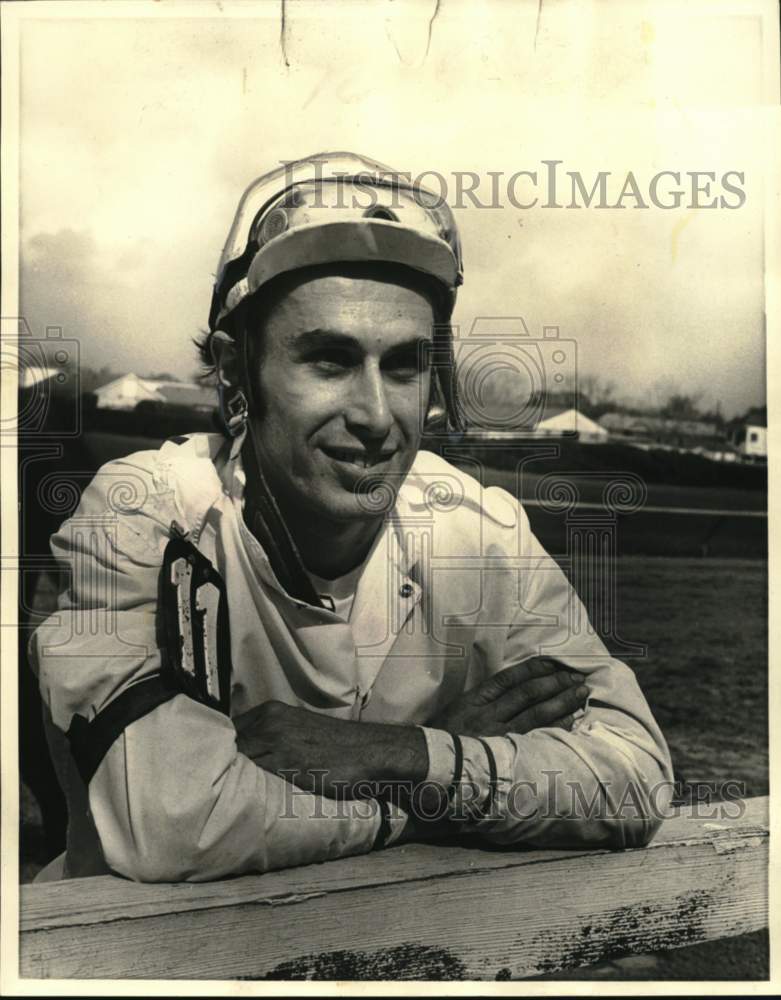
[[414, 912]]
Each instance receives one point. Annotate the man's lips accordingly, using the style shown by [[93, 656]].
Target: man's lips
[[360, 458]]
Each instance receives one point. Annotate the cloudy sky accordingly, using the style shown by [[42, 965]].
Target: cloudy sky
[[139, 133]]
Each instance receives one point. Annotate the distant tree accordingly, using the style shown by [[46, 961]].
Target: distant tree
[[715, 416], [595, 395], [163, 377], [753, 415], [681, 406]]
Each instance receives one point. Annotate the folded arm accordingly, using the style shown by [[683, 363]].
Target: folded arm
[[173, 798], [540, 755], [344, 760], [606, 781]]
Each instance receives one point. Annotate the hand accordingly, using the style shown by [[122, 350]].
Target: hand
[[332, 757], [529, 695]]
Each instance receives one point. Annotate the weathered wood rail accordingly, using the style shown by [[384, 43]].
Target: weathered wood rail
[[414, 912]]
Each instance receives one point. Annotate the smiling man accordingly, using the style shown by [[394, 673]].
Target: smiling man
[[340, 372], [306, 638]]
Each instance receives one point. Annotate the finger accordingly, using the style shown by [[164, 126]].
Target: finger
[[518, 673], [533, 691], [544, 713], [565, 722]]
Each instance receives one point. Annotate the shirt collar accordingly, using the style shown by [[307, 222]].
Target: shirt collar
[[411, 509]]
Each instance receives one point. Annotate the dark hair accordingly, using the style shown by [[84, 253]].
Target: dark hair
[[251, 315]]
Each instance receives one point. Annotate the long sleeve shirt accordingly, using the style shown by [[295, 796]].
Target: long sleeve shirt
[[455, 588]]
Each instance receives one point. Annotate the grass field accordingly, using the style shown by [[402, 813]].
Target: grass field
[[704, 622], [653, 530]]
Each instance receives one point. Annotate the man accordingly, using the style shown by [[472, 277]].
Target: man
[[307, 638]]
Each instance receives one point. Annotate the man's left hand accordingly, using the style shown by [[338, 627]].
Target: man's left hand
[[332, 757]]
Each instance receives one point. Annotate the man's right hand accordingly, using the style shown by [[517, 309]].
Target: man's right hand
[[529, 695]]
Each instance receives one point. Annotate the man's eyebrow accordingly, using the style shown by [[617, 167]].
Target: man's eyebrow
[[322, 338], [313, 339]]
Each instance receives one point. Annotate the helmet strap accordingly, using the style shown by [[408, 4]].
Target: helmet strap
[[261, 512], [445, 380]]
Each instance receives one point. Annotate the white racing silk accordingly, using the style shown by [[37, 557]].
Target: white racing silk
[[455, 589]]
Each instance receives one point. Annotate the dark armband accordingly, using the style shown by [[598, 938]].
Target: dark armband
[[194, 639], [384, 829], [492, 779], [90, 741]]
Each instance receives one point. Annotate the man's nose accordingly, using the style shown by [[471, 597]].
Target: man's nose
[[368, 412]]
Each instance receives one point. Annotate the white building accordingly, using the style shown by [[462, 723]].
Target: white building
[[570, 422], [32, 375], [754, 445], [748, 434], [126, 392], [649, 430]]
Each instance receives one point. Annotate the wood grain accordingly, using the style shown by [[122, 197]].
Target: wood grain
[[413, 912]]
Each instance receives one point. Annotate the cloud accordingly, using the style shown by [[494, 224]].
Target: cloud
[[133, 161], [119, 302]]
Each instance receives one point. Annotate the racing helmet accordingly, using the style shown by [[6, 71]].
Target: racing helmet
[[334, 208]]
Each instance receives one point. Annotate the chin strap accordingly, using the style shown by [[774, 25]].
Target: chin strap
[[261, 513]]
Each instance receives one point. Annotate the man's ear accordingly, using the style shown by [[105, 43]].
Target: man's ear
[[225, 357]]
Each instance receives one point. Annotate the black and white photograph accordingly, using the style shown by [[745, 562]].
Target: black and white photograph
[[385, 459]]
